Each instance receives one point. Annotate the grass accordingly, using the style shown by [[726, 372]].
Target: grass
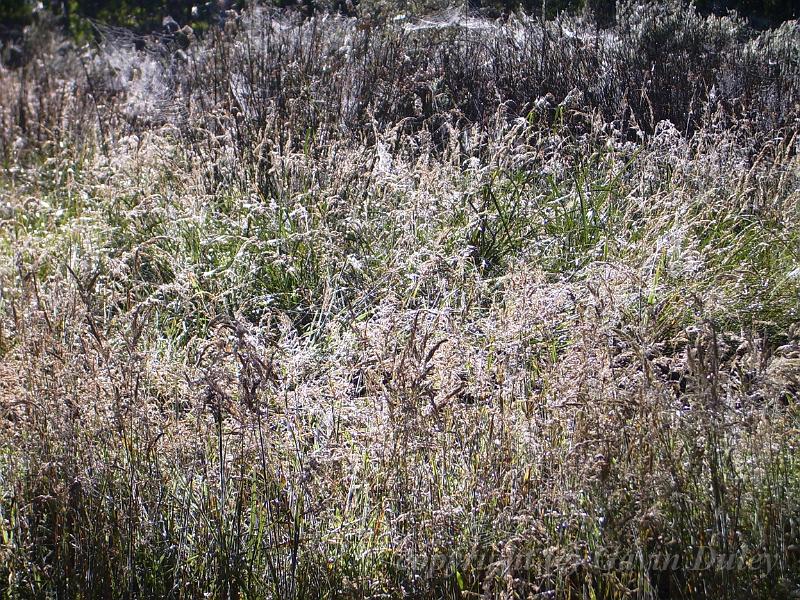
[[317, 310]]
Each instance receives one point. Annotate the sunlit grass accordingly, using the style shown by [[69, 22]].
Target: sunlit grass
[[296, 335]]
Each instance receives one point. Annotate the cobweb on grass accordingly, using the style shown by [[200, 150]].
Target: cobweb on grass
[[454, 17], [142, 71]]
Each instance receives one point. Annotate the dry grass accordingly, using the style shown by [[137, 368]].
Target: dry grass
[[324, 310]]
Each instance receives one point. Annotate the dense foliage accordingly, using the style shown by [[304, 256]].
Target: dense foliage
[[148, 14], [436, 306]]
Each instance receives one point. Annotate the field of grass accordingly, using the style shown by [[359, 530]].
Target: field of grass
[[433, 307]]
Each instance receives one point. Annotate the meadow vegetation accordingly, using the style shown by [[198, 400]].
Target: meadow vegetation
[[431, 307]]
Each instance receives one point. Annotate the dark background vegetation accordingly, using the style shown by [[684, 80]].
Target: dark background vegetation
[[144, 14]]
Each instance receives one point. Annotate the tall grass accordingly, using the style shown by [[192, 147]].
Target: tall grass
[[431, 308]]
